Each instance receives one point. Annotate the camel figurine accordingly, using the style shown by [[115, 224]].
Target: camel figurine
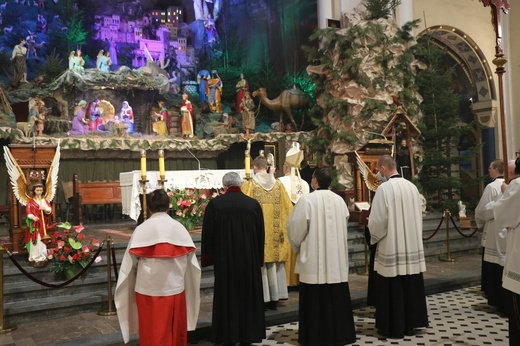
[[289, 99]]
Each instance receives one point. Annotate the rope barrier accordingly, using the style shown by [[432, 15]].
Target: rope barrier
[[462, 234], [437, 230], [45, 284], [454, 225]]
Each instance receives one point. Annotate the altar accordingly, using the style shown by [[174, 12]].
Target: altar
[[197, 179]]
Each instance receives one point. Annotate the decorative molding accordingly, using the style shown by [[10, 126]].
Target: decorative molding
[[465, 51], [486, 112]]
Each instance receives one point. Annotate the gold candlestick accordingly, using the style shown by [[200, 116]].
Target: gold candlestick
[[143, 182], [247, 160]]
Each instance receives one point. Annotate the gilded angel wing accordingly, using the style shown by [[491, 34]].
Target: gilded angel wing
[[17, 177], [52, 176], [369, 177]]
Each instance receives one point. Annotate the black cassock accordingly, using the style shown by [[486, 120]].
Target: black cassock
[[233, 241]]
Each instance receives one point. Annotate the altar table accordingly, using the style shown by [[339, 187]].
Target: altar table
[[131, 185]]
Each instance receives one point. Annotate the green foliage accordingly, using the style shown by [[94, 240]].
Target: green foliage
[[340, 60], [75, 35], [53, 66], [442, 130], [303, 80], [380, 8]]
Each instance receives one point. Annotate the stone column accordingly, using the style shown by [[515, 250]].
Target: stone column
[[324, 12], [405, 12]]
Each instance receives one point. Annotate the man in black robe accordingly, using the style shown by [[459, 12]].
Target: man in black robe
[[233, 241], [402, 157]]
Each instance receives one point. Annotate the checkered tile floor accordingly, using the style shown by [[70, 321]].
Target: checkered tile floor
[[459, 317]]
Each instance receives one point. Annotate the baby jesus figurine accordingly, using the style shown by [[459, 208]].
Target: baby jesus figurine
[[462, 209]]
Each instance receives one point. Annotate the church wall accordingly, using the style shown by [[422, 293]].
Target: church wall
[[472, 18]]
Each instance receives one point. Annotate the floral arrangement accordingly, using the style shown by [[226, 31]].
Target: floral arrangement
[[66, 250], [188, 206]]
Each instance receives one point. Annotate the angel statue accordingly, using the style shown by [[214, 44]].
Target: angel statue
[[38, 209], [372, 180]]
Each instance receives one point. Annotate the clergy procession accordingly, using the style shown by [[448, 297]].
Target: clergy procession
[[264, 239], [250, 234]]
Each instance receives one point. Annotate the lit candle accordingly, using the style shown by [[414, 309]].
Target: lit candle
[[161, 163], [143, 164]]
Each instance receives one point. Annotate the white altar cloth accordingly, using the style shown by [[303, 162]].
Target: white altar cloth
[[131, 185]]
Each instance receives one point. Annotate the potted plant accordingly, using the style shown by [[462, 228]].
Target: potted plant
[[66, 252]]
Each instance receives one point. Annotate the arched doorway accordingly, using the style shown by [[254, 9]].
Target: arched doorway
[[474, 83]]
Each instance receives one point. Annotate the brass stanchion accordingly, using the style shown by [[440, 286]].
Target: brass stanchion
[[3, 328], [363, 222], [447, 217], [366, 254], [144, 181], [111, 311]]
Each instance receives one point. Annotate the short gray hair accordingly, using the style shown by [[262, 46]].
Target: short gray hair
[[231, 179]]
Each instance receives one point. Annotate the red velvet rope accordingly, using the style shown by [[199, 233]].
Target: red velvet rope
[[38, 281], [458, 230], [434, 233]]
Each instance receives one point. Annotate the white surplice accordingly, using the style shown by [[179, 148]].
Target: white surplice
[[395, 223], [490, 193], [507, 216], [496, 237], [169, 276], [317, 230]]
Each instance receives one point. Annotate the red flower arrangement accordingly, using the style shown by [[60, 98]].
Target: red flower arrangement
[[188, 206], [67, 250]]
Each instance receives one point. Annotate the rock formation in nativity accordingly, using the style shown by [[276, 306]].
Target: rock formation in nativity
[[356, 70]]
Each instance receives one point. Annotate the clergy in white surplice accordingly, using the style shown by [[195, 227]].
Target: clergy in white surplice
[[395, 225], [507, 216], [317, 229], [494, 244], [485, 222]]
